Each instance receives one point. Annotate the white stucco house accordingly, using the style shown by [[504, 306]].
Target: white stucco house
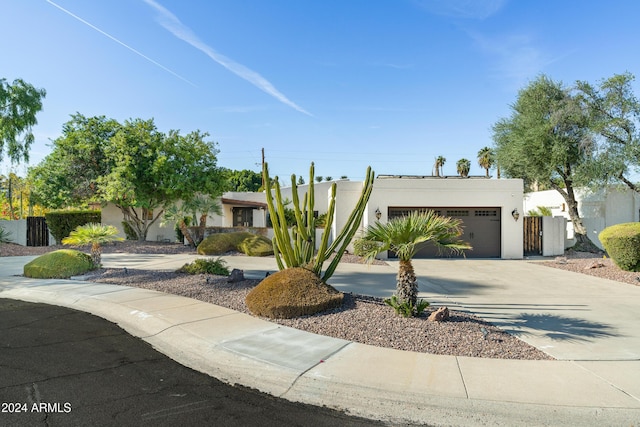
[[485, 206], [598, 210]]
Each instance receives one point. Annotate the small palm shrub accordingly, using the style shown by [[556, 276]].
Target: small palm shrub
[[206, 266], [5, 236], [622, 243], [406, 308], [94, 234]]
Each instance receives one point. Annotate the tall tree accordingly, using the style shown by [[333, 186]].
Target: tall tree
[[133, 165], [244, 180], [437, 166], [68, 175], [19, 104], [543, 142], [486, 159], [463, 166], [614, 114]]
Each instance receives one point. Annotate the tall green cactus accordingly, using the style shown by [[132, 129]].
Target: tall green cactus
[[296, 247]]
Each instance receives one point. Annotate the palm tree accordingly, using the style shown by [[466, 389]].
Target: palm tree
[[94, 234], [204, 204], [403, 235], [463, 166], [440, 161], [486, 159]]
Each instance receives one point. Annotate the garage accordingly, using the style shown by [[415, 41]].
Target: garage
[[482, 229]]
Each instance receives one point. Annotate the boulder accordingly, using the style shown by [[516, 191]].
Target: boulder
[[440, 315], [236, 275]]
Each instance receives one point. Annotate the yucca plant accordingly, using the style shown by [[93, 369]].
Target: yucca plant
[[94, 234], [403, 235]]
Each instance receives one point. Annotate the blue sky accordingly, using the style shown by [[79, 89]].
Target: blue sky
[[343, 83]]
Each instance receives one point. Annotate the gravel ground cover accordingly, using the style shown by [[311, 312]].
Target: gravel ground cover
[[361, 319]]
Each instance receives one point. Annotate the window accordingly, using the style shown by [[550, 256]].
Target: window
[[486, 213]]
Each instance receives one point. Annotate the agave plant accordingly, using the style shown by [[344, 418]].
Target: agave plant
[[94, 234]]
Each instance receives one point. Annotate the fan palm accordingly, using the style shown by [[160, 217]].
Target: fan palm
[[94, 234], [463, 166], [440, 161], [403, 235], [486, 159]]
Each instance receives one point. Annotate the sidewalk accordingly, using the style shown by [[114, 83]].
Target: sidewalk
[[601, 386]]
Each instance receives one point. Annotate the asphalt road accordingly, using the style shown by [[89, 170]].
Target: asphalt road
[[62, 367]]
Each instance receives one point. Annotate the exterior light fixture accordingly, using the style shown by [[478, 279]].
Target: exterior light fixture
[[378, 213], [515, 214]]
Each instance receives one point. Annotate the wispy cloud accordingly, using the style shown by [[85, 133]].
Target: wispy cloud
[[466, 9], [517, 56], [172, 24], [120, 42]]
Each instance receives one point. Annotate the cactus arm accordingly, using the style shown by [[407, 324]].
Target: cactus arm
[[323, 254], [352, 225]]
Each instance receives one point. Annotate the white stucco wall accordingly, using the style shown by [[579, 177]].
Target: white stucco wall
[[598, 210], [18, 230], [506, 194], [111, 215]]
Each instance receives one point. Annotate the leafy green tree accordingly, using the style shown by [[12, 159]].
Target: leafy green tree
[[244, 180], [95, 235], [614, 114], [486, 159], [543, 142], [69, 175], [463, 166], [403, 236], [19, 104], [132, 165]]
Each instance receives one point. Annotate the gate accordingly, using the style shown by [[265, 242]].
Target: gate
[[37, 231], [532, 235]]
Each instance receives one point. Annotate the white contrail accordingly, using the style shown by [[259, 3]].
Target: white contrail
[[119, 42], [172, 24]]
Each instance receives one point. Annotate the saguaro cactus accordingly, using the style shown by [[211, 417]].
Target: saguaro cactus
[[295, 247]]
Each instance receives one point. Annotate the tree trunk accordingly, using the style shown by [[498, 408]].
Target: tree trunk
[[186, 233], [583, 242], [407, 284], [96, 254]]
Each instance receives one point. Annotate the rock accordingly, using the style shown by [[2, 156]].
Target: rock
[[440, 315], [561, 260], [236, 276], [595, 264]]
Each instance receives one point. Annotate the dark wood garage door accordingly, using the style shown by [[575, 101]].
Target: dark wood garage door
[[481, 230]]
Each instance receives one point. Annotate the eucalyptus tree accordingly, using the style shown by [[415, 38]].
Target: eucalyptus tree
[[545, 141]]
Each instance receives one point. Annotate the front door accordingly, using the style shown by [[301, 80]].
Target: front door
[[243, 217]]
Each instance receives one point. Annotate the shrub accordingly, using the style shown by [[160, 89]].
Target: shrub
[[406, 308], [62, 223], [361, 246], [256, 246], [60, 264], [291, 293], [245, 242], [5, 236], [622, 243], [206, 266]]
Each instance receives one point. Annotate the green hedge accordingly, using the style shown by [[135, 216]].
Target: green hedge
[[622, 243], [62, 223]]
